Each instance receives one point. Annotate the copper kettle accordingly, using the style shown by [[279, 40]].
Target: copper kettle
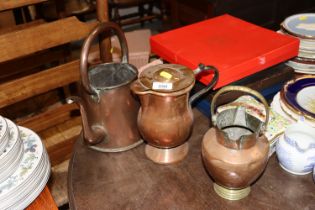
[[108, 108], [235, 151], [165, 118]]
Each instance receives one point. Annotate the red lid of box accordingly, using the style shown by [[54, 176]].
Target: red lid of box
[[235, 47]]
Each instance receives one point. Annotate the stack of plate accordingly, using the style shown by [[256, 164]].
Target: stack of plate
[[296, 100], [4, 134], [24, 166], [302, 26]]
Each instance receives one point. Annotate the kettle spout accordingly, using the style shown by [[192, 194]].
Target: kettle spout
[[93, 134]]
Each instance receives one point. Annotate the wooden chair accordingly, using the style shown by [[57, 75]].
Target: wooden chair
[[43, 92], [143, 14]]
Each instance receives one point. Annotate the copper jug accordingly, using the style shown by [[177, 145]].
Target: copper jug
[[108, 108], [165, 118], [235, 151]]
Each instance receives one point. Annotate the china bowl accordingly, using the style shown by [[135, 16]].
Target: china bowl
[[296, 149]]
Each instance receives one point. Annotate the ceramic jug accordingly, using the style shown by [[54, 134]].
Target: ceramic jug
[[296, 148], [108, 108], [165, 118], [235, 150]]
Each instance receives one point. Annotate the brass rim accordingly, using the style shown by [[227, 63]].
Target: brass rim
[[231, 194]]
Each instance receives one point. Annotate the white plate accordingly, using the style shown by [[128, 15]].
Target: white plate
[[4, 134], [33, 151], [301, 25], [294, 115]]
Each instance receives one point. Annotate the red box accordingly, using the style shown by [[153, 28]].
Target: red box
[[237, 48]]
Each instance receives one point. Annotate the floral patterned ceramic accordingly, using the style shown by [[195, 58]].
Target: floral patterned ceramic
[[33, 150], [13, 147], [13, 153], [296, 149]]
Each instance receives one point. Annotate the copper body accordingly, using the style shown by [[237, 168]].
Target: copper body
[[165, 119], [235, 151], [230, 167], [109, 114]]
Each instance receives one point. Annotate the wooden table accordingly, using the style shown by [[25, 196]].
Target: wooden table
[[129, 180], [43, 201]]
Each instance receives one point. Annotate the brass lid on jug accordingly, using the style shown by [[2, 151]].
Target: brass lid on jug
[[166, 78]]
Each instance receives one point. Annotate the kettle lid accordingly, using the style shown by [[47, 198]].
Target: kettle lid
[[167, 78]]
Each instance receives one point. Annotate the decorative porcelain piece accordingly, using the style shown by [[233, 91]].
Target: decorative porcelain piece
[[296, 149], [298, 94], [235, 151], [300, 25], [10, 159], [29, 179], [33, 150]]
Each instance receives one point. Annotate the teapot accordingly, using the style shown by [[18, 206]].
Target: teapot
[[235, 151], [165, 118], [108, 108]]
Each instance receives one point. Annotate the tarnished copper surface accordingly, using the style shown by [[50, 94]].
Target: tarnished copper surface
[[165, 118], [109, 112], [231, 168], [235, 151]]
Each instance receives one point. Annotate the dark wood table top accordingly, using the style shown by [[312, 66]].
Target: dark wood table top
[[129, 180]]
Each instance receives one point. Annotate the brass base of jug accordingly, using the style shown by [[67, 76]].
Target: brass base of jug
[[167, 156], [231, 194]]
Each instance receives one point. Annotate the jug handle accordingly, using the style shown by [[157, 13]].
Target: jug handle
[[201, 68], [102, 27], [240, 89]]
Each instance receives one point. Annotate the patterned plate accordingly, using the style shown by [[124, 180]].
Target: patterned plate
[[13, 145], [33, 151], [299, 95], [300, 25]]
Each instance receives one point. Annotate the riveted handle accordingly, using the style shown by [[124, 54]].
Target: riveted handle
[[101, 28], [239, 89]]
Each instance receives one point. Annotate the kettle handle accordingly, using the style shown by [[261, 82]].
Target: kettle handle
[[201, 68], [102, 27], [240, 89]]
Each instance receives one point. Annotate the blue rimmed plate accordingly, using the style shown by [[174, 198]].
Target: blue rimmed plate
[[299, 94]]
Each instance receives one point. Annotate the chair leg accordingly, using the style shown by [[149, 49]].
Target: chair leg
[[150, 10], [141, 14], [117, 16]]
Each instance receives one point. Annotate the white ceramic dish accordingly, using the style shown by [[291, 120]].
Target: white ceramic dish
[[22, 187], [4, 134], [300, 25], [296, 149], [33, 150]]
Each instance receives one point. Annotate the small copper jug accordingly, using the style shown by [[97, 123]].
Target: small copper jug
[[108, 108], [235, 151], [165, 118]]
